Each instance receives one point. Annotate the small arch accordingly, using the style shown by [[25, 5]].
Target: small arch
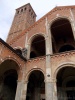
[[17, 12], [21, 10], [37, 46], [34, 69], [33, 36], [25, 8]]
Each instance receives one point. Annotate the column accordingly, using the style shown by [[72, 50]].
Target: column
[[48, 39], [55, 90], [24, 91], [18, 91], [28, 50], [50, 89], [73, 22]]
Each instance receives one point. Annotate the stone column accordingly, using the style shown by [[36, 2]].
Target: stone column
[[28, 52], [55, 90], [50, 89], [72, 22], [24, 91], [48, 39], [18, 91]]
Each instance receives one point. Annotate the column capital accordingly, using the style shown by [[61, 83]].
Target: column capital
[[19, 81], [50, 80], [25, 82]]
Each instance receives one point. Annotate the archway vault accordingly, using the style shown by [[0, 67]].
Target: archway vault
[[37, 46], [62, 33], [36, 85], [30, 71], [8, 79], [66, 82]]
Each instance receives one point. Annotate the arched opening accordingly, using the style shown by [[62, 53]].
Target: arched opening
[[62, 34], [37, 46], [66, 48], [36, 86], [8, 80], [66, 83], [19, 51]]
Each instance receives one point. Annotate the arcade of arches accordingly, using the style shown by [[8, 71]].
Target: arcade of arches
[[36, 86], [62, 39], [54, 40]]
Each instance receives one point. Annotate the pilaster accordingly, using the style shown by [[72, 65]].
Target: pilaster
[[50, 89], [73, 22], [24, 91], [18, 91]]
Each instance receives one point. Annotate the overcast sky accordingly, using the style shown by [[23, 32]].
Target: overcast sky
[[41, 7]]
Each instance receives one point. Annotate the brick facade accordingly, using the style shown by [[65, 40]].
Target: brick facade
[[39, 77]]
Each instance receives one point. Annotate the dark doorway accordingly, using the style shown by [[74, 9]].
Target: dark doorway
[[36, 86]]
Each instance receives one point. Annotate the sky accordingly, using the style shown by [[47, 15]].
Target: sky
[[41, 7]]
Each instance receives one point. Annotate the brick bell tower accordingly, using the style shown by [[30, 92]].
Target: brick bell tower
[[24, 17]]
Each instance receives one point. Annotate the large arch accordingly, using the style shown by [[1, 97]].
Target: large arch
[[37, 45], [36, 86], [66, 83], [62, 33], [8, 79]]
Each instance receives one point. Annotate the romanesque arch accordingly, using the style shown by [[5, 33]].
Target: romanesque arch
[[66, 83], [8, 79], [37, 46], [36, 86], [62, 34]]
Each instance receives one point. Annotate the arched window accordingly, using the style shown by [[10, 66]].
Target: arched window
[[62, 34], [37, 46]]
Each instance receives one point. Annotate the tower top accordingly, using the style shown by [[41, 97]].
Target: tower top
[[24, 17], [24, 7]]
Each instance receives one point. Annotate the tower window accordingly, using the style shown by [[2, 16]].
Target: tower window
[[17, 12], [21, 10], [24, 8]]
